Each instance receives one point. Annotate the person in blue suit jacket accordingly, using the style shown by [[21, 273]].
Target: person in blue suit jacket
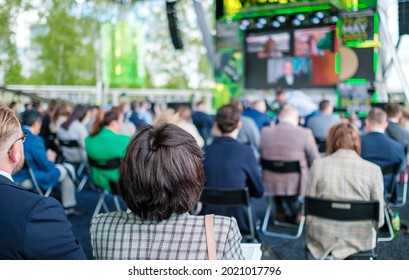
[[32, 227], [47, 173], [229, 164], [378, 148]]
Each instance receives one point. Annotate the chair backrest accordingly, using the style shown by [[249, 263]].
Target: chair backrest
[[230, 198], [393, 171], [69, 143], [109, 164], [321, 144], [348, 210], [225, 197], [281, 166]]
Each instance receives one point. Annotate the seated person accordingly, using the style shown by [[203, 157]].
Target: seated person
[[75, 129], [287, 141], [343, 175], [321, 123], [32, 227], [105, 143], [42, 161], [158, 225], [229, 164], [375, 141]]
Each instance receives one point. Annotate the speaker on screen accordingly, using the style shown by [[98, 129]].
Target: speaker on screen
[[173, 24]]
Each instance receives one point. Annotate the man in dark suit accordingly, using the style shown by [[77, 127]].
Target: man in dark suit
[[379, 148], [394, 130], [290, 79], [32, 226], [229, 164]]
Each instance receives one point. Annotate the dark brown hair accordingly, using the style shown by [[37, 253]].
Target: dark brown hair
[[162, 172], [227, 118], [343, 136], [79, 113], [104, 119], [393, 110], [324, 104]]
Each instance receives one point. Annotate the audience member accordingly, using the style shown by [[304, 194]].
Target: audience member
[[376, 140], [343, 175], [288, 141], [134, 117], [74, 128], [185, 122], [47, 173], [258, 113], [280, 101], [320, 124], [249, 133], [32, 227], [158, 225], [394, 130], [230, 164], [202, 121], [105, 143], [404, 120], [143, 112], [127, 127]]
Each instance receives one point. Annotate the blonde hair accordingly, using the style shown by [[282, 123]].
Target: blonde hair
[[9, 125], [343, 136]]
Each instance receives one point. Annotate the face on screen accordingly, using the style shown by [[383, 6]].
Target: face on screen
[[308, 54]]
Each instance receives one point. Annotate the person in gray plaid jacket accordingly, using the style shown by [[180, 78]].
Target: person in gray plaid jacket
[[161, 179]]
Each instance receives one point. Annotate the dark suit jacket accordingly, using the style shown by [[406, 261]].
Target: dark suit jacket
[[299, 81], [203, 123], [383, 151], [34, 227], [229, 164], [45, 171], [399, 134]]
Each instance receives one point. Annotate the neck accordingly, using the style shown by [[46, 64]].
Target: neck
[[232, 134]]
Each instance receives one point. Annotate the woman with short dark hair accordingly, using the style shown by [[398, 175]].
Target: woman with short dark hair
[[161, 178]]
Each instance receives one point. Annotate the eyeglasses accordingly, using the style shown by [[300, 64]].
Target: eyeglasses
[[22, 138]]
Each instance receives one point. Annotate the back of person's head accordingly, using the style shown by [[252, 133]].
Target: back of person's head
[[62, 109], [289, 112], [325, 106], [377, 117], [228, 118], [9, 127], [281, 95], [237, 102], [167, 115], [31, 116], [260, 105], [393, 110], [79, 113], [200, 106], [184, 112], [162, 172], [105, 118], [343, 136]]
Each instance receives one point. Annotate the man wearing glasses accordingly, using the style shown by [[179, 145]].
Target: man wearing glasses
[[32, 226]]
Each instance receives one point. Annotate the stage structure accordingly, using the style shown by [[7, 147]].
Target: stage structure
[[325, 44]]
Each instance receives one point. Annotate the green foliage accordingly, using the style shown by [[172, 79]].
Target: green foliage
[[67, 54]]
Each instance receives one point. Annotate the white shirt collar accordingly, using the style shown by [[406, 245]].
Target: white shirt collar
[[7, 175], [289, 79]]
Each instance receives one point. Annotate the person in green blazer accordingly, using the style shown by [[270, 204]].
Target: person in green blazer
[[105, 143]]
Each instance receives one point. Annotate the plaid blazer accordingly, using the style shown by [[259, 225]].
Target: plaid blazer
[[121, 235], [343, 175]]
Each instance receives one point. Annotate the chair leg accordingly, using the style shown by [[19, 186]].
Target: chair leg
[[116, 201], [264, 230], [82, 183], [99, 204], [390, 229]]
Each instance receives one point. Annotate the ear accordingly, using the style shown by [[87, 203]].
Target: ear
[[15, 154], [238, 125]]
